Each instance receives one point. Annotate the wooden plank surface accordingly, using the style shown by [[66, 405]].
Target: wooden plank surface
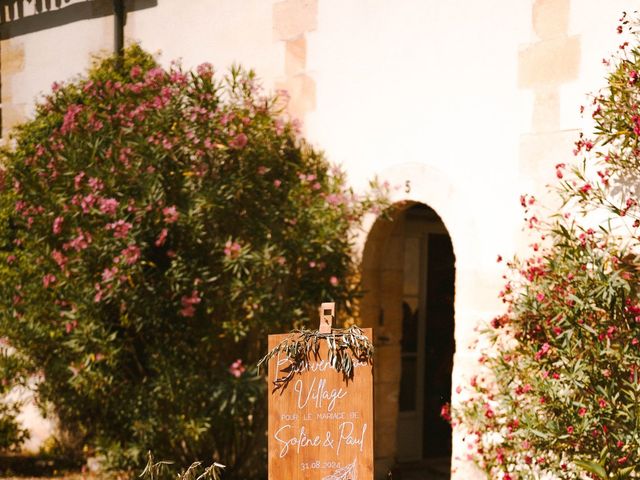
[[320, 426]]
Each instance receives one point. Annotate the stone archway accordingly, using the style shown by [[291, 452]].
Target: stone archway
[[408, 276]]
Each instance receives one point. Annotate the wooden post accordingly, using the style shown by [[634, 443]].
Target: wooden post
[[327, 315]]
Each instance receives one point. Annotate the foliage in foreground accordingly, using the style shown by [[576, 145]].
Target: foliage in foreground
[[560, 396], [12, 435], [157, 223], [162, 470]]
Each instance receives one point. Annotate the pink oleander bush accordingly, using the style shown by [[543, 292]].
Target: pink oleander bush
[[559, 392], [157, 224]]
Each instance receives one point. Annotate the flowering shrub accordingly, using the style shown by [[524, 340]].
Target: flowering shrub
[[12, 435], [560, 392], [158, 224]]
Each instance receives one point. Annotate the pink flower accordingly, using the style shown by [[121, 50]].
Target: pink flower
[[277, 183], [585, 188], [445, 412], [120, 228], [87, 203], [96, 184], [188, 302], [154, 74], [109, 274], [205, 70], [279, 126], [57, 225], [232, 250], [543, 351], [80, 242], [171, 214], [99, 293], [237, 368], [334, 281], [108, 206], [131, 254], [602, 403], [135, 71], [226, 118], [123, 156], [77, 180], [161, 238], [21, 206], [69, 123], [48, 279], [262, 170], [166, 143], [540, 297], [95, 124], [488, 411], [239, 141], [70, 326], [333, 199], [59, 258]]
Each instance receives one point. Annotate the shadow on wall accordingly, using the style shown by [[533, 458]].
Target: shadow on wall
[[19, 17]]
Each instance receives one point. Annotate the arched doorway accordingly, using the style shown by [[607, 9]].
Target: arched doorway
[[409, 278]]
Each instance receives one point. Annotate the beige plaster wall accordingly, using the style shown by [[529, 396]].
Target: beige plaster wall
[[470, 102]]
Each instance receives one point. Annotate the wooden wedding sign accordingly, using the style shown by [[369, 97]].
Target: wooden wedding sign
[[320, 423]]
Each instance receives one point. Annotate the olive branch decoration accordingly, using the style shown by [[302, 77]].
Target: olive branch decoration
[[302, 347]]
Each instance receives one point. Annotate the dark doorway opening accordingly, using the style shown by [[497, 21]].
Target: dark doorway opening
[[427, 346], [439, 346]]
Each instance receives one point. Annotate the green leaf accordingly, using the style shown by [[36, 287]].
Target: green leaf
[[592, 467]]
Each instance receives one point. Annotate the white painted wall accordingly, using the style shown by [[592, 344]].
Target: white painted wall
[[221, 32], [56, 55]]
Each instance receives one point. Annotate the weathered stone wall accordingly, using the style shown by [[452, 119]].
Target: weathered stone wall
[[381, 309]]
